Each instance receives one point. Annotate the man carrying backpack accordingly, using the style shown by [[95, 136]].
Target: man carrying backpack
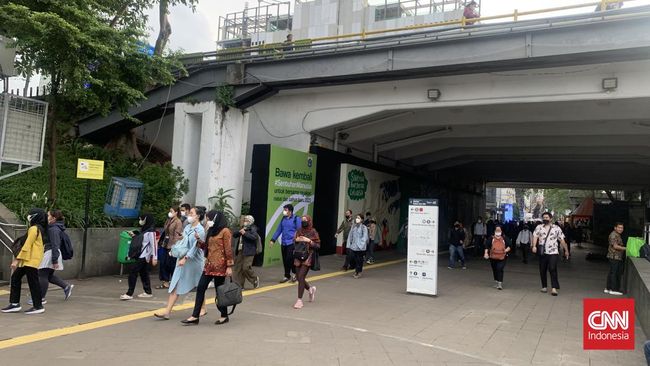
[[496, 250], [57, 249]]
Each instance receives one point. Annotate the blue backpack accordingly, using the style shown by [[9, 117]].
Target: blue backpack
[[66, 247]]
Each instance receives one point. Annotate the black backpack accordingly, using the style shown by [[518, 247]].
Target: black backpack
[[135, 248], [17, 245], [644, 251], [66, 246]]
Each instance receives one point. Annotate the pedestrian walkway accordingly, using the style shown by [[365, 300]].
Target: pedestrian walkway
[[366, 321]]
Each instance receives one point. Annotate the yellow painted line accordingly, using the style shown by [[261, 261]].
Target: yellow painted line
[[49, 334], [4, 292]]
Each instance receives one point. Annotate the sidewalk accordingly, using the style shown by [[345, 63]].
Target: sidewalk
[[367, 321]]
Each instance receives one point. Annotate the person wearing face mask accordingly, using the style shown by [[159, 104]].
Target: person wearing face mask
[[172, 233], [148, 255], [52, 258], [287, 228], [497, 251], [357, 242], [218, 264], [456, 240], [344, 228], [545, 241], [189, 264], [245, 247], [524, 238], [26, 263], [305, 254], [479, 231], [185, 211]]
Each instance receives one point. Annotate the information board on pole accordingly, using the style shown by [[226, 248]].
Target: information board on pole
[[422, 267]]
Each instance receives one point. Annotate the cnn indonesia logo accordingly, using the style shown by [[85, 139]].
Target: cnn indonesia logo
[[608, 324]]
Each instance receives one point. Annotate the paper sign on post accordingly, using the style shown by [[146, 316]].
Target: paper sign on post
[[90, 169]]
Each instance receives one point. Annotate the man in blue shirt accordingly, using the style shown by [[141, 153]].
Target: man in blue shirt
[[287, 228]]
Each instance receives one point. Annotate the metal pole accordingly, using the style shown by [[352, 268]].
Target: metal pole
[[82, 273]]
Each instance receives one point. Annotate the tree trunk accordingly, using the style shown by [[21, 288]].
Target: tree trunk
[[165, 27], [26, 88], [126, 142]]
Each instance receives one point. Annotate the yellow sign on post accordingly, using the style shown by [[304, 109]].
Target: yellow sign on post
[[90, 169]]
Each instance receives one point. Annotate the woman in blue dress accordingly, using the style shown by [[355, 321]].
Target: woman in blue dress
[[189, 265]]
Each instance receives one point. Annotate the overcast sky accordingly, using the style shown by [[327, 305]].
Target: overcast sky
[[194, 32]]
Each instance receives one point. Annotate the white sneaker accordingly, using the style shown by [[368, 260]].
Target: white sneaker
[[145, 295], [211, 284], [616, 293], [606, 291], [544, 290], [126, 297]]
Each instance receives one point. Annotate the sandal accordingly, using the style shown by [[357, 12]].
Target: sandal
[[163, 317], [162, 286]]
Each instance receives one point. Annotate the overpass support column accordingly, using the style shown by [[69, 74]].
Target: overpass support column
[[209, 144]]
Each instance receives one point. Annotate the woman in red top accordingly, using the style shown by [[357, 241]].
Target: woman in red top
[[218, 264], [306, 247]]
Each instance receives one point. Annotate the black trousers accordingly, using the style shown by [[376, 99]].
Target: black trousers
[[525, 248], [167, 265], [358, 260], [47, 276], [141, 267], [287, 260], [615, 273], [200, 294], [32, 281], [548, 263], [350, 259], [497, 269]]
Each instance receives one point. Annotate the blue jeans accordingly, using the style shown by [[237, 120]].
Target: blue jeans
[[453, 250], [646, 350]]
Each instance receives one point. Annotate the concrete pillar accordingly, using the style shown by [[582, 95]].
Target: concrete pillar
[[210, 146]]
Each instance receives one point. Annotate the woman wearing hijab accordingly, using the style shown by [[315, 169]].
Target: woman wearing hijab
[[497, 251], [188, 265], [26, 263], [307, 243], [245, 249], [218, 264], [148, 255]]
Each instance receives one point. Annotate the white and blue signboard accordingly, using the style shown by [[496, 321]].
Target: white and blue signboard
[[422, 267]]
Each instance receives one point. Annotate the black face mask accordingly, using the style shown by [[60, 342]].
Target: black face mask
[[305, 224], [546, 222]]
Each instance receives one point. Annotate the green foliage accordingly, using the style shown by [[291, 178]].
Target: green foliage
[[220, 202], [225, 95], [163, 186]]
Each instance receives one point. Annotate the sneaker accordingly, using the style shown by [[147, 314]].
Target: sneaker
[[450, 267], [293, 278], [145, 295], [12, 308], [616, 293], [285, 279], [256, 284], [606, 291], [499, 286], [464, 267], [357, 275], [32, 311], [126, 297], [31, 302], [312, 293], [298, 304], [68, 292], [544, 290], [554, 292]]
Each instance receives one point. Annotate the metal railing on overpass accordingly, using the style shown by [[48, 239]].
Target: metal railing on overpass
[[447, 30]]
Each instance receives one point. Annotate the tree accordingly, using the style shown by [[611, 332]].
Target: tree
[[93, 53]]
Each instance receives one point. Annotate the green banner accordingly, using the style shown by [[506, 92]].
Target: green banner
[[292, 180]]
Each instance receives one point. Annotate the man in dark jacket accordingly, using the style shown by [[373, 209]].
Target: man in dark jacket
[[245, 249], [456, 240]]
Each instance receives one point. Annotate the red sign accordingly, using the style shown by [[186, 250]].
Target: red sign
[[608, 324]]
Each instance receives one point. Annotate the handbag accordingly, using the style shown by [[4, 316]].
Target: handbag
[[259, 247], [301, 251], [542, 247], [229, 294], [315, 261], [180, 249]]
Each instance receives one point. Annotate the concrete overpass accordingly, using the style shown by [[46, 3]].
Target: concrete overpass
[[558, 101]]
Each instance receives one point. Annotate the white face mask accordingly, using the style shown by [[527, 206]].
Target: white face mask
[[183, 213], [190, 219], [497, 234], [210, 223], [285, 213], [29, 218], [357, 220], [170, 215], [141, 222]]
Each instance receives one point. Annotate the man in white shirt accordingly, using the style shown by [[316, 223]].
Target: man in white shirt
[[479, 231], [524, 239], [545, 240]]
